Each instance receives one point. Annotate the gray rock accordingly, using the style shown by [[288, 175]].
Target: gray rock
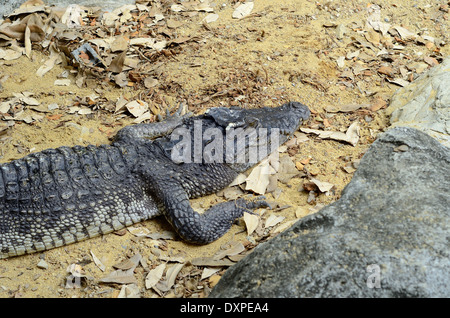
[[8, 6], [388, 235], [425, 103]]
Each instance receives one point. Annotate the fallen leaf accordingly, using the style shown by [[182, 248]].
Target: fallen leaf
[[398, 81], [27, 42], [209, 261], [120, 277], [378, 104], [386, 70], [9, 54], [129, 291], [62, 82], [273, 220], [137, 108], [97, 262], [129, 263], [72, 16], [138, 231], [251, 222], [286, 170], [323, 186], [404, 33], [243, 10], [119, 44], [117, 63], [49, 64], [238, 180], [150, 82], [258, 180], [351, 136], [212, 17], [171, 275], [430, 61], [208, 272], [234, 249], [154, 276]]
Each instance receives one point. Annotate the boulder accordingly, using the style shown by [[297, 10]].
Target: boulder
[[387, 236]]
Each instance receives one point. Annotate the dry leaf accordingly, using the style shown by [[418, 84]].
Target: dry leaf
[[154, 276], [72, 16], [243, 10], [177, 8], [210, 261], [322, 185], [117, 63], [258, 179], [138, 231], [120, 277], [9, 54], [208, 272], [212, 17], [173, 24], [351, 136], [97, 262], [286, 170], [120, 43], [251, 222], [171, 275], [398, 81], [137, 108], [62, 82], [238, 180], [273, 220], [234, 249], [404, 33], [150, 82], [49, 64], [129, 291], [378, 104], [386, 70], [27, 42]]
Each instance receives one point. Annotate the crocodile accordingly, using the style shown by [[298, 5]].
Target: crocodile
[[60, 196]]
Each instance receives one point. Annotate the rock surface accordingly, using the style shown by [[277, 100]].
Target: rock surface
[[425, 103], [388, 235]]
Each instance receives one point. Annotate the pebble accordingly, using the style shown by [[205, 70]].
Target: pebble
[[42, 264]]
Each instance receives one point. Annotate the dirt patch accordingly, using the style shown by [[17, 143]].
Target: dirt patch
[[321, 54]]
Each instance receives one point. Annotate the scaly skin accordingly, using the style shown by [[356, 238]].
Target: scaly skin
[[64, 195]]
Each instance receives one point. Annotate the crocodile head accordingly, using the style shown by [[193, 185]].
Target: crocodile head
[[286, 118], [235, 136]]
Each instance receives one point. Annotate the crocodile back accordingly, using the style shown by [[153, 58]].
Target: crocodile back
[[64, 195]]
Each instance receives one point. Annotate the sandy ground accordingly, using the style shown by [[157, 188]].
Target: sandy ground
[[285, 51]]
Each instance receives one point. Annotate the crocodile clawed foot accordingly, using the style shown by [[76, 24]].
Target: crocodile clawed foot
[[181, 112], [249, 205]]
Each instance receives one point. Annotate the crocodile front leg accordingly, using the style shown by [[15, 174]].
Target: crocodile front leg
[[173, 201], [152, 130]]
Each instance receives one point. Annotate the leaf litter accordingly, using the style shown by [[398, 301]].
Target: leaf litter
[[129, 47]]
